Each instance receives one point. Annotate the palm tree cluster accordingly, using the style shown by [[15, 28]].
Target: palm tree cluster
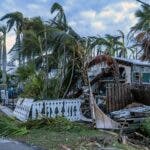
[[44, 46]]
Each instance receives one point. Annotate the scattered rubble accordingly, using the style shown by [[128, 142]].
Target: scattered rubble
[[131, 112]]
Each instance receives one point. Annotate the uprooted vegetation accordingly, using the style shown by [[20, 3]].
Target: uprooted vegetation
[[10, 127], [59, 124]]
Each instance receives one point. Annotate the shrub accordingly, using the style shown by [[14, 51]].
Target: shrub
[[34, 86], [145, 127]]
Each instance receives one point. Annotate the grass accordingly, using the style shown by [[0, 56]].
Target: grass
[[53, 140], [73, 135]]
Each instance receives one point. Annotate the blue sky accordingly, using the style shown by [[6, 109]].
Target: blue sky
[[87, 17]]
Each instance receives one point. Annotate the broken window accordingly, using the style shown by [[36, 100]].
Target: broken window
[[136, 77], [122, 72]]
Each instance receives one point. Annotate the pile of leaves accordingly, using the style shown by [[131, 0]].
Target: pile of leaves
[[58, 124], [9, 127]]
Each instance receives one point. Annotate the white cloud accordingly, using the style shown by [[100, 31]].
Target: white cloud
[[118, 12], [97, 25], [89, 21], [33, 6], [128, 5], [90, 14]]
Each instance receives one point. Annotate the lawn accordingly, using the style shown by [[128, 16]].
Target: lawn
[[73, 135], [84, 140]]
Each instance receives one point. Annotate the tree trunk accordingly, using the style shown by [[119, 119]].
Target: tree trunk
[[0, 54], [4, 60], [18, 45]]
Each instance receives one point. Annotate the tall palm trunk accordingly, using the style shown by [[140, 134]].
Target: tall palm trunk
[[18, 43], [4, 60], [1, 53]]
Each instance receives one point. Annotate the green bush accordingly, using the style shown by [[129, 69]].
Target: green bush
[[145, 127], [34, 86]]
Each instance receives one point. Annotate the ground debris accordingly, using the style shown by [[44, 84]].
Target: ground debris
[[97, 143], [139, 139], [64, 147], [130, 112]]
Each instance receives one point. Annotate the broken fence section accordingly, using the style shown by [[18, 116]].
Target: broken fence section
[[27, 109], [70, 109], [118, 96]]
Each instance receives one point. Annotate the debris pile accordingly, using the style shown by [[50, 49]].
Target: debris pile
[[133, 114]]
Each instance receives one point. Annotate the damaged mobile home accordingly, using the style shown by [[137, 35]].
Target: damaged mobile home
[[125, 99]]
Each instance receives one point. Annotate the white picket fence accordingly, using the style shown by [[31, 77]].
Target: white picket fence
[[70, 109]]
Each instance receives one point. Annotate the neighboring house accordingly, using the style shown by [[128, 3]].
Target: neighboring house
[[130, 71], [133, 75], [135, 71]]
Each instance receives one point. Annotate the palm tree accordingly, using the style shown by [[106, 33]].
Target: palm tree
[[141, 30], [60, 19], [146, 4], [15, 19], [1, 39], [67, 47], [3, 30], [108, 44]]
